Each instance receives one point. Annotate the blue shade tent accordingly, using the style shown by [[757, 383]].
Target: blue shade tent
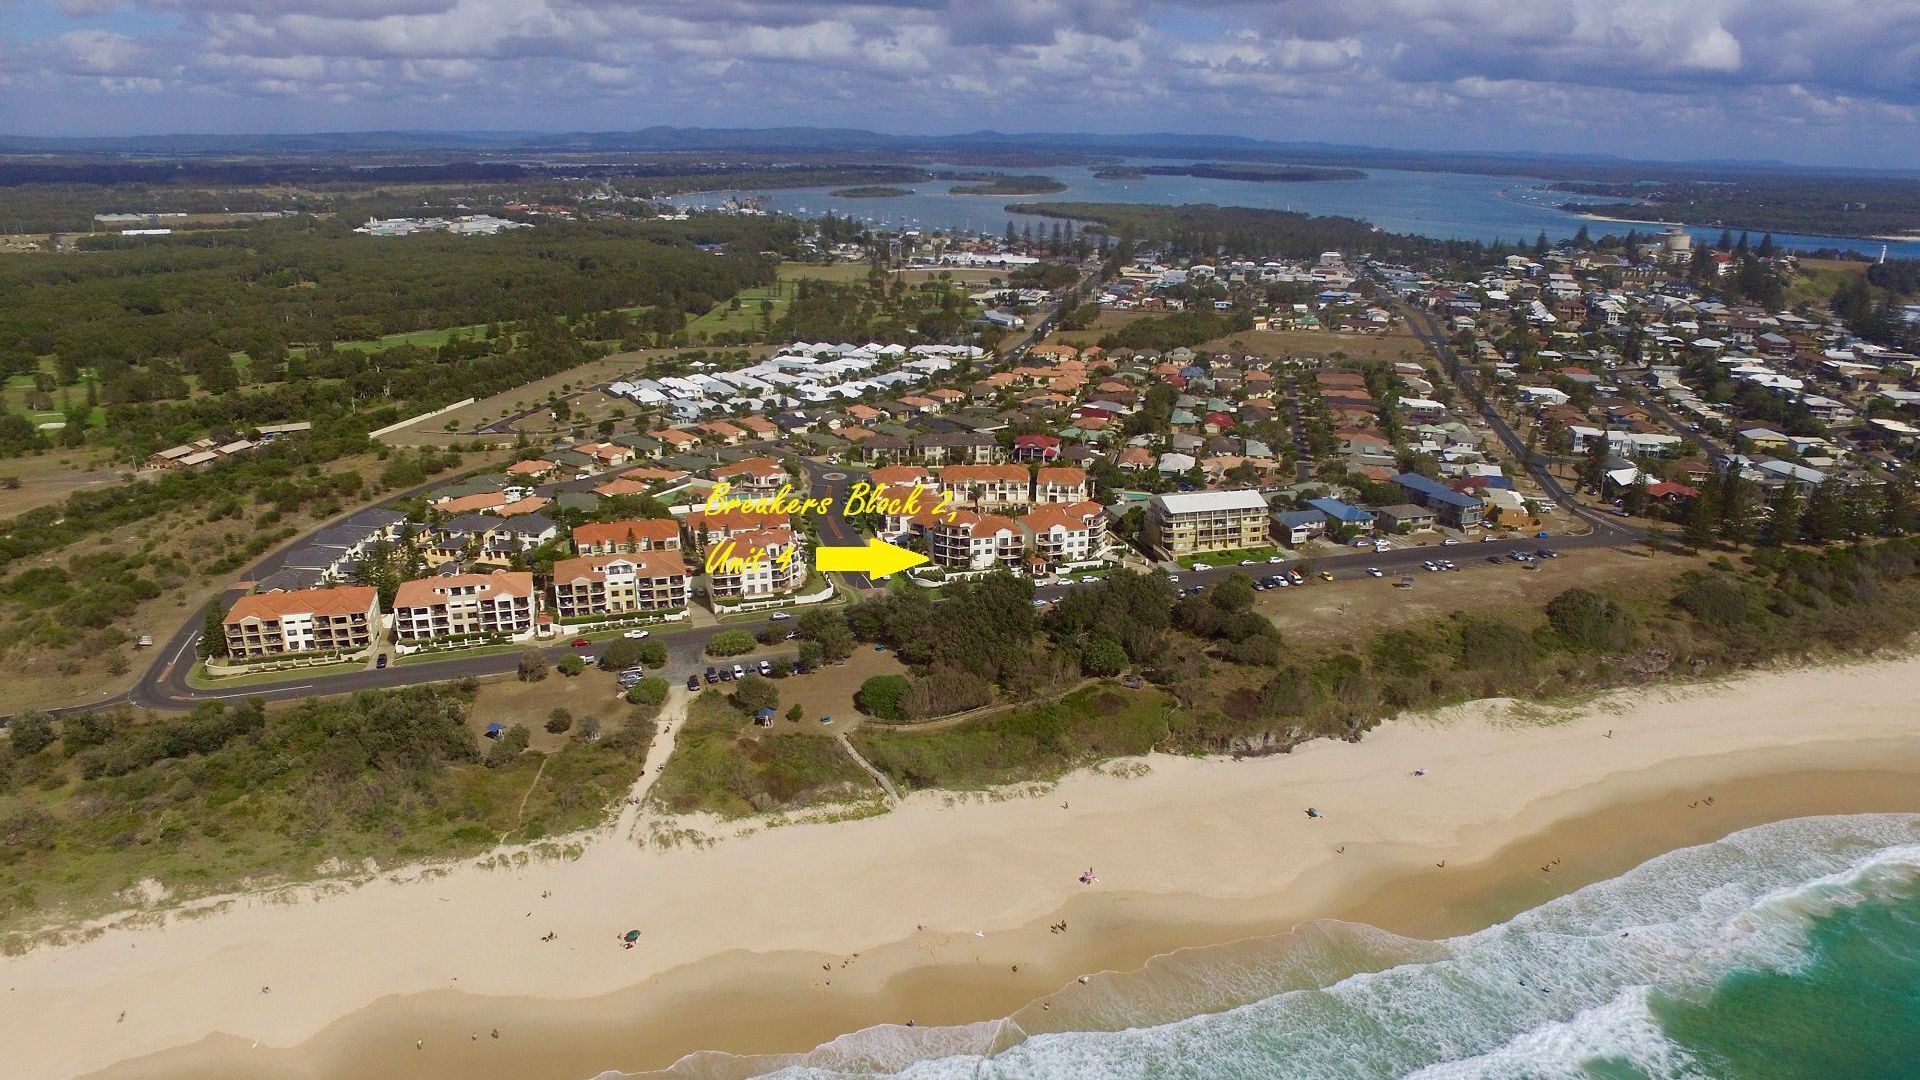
[[494, 731]]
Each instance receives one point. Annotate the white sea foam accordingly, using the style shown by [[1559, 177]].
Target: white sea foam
[[1555, 987]]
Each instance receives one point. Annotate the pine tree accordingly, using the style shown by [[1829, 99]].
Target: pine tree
[[1784, 527], [1582, 239], [213, 635], [1703, 520], [1540, 244], [1736, 500], [1827, 513]]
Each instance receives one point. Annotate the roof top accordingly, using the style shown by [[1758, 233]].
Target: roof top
[[1197, 502], [342, 600]]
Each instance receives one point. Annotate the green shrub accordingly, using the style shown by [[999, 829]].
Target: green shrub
[[648, 691], [882, 695], [731, 643]]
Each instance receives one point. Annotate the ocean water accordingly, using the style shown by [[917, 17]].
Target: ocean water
[[1452, 206], [1787, 951]]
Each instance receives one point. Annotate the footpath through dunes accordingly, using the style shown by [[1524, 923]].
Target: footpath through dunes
[[1431, 826]]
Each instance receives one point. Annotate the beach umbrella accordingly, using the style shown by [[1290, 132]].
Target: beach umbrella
[[633, 935]]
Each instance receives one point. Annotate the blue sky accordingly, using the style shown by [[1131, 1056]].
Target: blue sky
[[1813, 81]]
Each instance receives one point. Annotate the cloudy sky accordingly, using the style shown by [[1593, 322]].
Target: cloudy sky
[[1834, 81]]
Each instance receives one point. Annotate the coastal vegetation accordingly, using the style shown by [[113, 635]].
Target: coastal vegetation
[[94, 804], [1824, 205], [722, 765], [870, 191], [1203, 230], [997, 184], [1254, 173]]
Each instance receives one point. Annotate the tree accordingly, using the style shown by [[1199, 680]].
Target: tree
[[1703, 521], [882, 695], [1826, 517], [511, 743], [731, 643], [623, 653], [1588, 620], [558, 721], [1593, 468], [1103, 657], [1234, 594], [213, 634], [648, 691], [570, 665], [533, 664], [753, 693], [1783, 527], [797, 713], [32, 732]]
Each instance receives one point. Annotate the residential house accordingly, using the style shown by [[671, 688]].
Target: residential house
[[1059, 484], [987, 487], [764, 562]]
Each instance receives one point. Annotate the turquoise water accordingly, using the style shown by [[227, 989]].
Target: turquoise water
[[1451, 206], [1782, 952]]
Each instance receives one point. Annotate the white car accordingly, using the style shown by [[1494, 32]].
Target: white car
[[1448, 542], [1374, 571], [1249, 562], [1174, 578], [1488, 539], [1275, 560], [779, 616], [635, 635], [588, 659], [1202, 566]]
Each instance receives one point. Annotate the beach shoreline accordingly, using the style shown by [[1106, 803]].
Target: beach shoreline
[[742, 937]]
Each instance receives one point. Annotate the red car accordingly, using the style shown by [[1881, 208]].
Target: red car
[[581, 643]]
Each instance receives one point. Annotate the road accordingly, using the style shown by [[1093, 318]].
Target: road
[[1423, 327]]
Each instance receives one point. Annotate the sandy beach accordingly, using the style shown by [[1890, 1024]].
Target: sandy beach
[[766, 940]]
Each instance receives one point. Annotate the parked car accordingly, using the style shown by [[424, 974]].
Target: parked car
[[739, 672], [1431, 565], [1174, 578], [1448, 542], [581, 643], [1326, 575], [1249, 562], [1373, 571], [713, 676], [380, 661], [726, 674], [636, 635], [1547, 553], [780, 616], [1494, 559], [589, 659], [1276, 560], [693, 683], [766, 667], [826, 719], [1202, 566], [1488, 539]]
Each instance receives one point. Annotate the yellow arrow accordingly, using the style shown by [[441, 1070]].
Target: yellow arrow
[[876, 560]]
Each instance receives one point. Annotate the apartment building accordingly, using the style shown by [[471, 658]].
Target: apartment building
[[988, 487], [752, 477], [599, 586], [1061, 533], [966, 540], [706, 527], [1059, 484], [341, 619], [626, 537], [498, 603], [773, 562], [1194, 523]]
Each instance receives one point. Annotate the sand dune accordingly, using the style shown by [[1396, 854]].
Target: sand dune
[[748, 942]]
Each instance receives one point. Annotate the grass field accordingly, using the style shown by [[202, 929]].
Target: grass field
[[724, 318], [1109, 321], [1396, 344], [1819, 279]]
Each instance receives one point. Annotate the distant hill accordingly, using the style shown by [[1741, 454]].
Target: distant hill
[[824, 140]]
